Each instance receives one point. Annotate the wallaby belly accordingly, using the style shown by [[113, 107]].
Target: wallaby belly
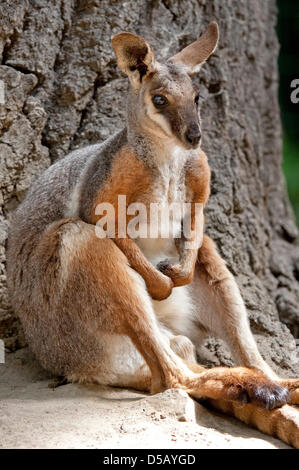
[[175, 312]]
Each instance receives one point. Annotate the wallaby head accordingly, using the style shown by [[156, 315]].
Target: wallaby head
[[163, 101]]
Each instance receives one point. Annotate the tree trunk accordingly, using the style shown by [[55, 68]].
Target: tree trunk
[[63, 91]]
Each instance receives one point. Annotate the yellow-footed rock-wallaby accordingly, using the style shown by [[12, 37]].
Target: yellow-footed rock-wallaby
[[130, 311]]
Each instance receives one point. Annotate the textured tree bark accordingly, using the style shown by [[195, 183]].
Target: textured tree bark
[[63, 90]]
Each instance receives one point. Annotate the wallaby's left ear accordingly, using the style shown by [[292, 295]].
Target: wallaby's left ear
[[194, 55], [135, 57]]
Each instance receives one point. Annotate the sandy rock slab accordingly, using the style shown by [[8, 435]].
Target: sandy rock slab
[[34, 415]]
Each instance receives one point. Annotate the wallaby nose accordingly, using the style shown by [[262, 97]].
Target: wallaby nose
[[193, 136]]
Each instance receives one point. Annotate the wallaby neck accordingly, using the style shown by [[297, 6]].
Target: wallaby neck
[[157, 152]]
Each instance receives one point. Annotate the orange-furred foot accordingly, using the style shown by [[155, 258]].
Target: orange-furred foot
[[268, 396], [241, 385]]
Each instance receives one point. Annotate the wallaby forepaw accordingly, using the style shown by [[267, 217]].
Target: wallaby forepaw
[[164, 266], [160, 288], [175, 272]]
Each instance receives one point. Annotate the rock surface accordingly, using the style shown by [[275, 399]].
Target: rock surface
[[63, 90], [76, 416]]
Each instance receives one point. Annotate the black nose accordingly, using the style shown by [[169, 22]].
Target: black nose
[[193, 136]]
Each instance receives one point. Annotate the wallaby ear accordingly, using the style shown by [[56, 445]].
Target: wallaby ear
[[194, 55], [135, 57]]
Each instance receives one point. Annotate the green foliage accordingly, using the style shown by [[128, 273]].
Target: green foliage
[[291, 170], [288, 34]]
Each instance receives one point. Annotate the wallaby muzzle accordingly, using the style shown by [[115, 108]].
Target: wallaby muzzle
[[193, 135]]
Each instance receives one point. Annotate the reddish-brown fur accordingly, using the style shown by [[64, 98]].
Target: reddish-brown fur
[[81, 297], [220, 385]]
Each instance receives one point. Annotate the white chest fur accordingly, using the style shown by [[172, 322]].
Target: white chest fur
[[169, 189], [168, 197]]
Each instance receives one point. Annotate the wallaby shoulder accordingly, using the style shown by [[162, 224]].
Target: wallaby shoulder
[[51, 195]]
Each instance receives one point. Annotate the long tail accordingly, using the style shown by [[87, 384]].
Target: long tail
[[281, 422]]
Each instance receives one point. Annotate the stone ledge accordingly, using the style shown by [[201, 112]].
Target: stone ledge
[[76, 416]]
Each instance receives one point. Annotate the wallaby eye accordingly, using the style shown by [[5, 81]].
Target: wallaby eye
[[159, 101]]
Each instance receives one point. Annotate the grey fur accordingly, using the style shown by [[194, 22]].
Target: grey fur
[[67, 307]]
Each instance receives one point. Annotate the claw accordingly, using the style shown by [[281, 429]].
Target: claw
[[269, 396], [164, 266]]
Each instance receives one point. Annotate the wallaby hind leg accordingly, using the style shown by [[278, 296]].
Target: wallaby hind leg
[[96, 297], [139, 378], [81, 301], [221, 310], [89, 300], [125, 308]]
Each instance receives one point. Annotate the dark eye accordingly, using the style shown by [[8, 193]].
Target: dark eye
[[159, 101]]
